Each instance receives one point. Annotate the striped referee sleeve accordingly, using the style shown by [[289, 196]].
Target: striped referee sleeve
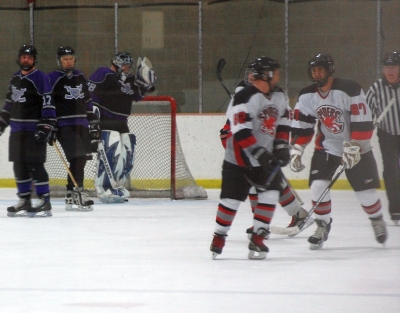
[[378, 97]]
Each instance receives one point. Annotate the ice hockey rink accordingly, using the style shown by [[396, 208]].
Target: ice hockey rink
[[152, 255]]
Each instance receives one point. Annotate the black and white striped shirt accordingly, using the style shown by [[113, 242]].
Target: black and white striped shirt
[[378, 97]]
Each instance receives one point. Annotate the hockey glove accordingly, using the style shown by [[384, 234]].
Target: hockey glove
[[281, 152], [95, 134], [224, 134], [351, 153], [53, 136], [267, 160], [145, 77], [2, 127], [295, 158], [43, 132]]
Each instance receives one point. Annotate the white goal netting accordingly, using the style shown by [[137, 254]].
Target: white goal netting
[[160, 168]]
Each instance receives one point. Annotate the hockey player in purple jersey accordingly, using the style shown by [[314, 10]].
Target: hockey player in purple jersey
[[77, 128], [258, 116], [29, 111], [113, 90], [344, 129]]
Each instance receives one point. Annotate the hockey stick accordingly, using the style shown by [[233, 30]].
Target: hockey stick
[[384, 112], [296, 229], [220, 65], [76, 188]]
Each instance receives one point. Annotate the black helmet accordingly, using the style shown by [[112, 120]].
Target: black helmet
[[391, 58], [29, 50], [262, 68], [121, 59], [66, 50], [324, 60]]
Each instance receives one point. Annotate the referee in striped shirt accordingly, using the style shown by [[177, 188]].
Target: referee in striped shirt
[[385, 94]]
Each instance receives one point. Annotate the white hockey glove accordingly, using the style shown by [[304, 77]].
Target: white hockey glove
[[351, 153], [145, 77], [295, 158]]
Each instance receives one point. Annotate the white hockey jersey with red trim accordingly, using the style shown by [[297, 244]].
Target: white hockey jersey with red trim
[[256, 120], [340, 115]]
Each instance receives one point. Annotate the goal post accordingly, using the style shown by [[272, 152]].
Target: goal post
[[159, 169]]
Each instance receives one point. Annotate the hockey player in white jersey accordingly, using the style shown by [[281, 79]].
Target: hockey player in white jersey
[[258, 147], [343, 136]]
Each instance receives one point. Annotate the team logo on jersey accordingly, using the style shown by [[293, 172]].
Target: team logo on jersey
[[74, 93], [330, 117], [17, 94], [126, 88], [268, 118]]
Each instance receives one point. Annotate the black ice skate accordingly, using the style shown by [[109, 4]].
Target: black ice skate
[[78, 200], [321, 234], [395, 217], [42, 208], [257, 249], [217, 244], [379, 227], [249, 232], [20, 209], [298, 219]]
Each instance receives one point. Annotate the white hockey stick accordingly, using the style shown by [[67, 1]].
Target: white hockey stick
[[384, 112], [292, 231]]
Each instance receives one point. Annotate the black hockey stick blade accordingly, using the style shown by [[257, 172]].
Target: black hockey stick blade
[[220, 67]]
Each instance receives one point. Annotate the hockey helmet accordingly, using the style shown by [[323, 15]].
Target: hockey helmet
[[65, 50], [27, 50], [391, 58], [261, 68], [324, 60], [121, 59]]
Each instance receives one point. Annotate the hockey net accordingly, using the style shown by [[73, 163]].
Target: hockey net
[[160, 169]]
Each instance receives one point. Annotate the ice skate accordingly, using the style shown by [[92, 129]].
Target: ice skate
[[257, 249], [81, 200], [379, 227], [42, 208], [109, 195], [249, 232], [298, 219], [320, 236], [20, 209], [395, 217], [217, 244]]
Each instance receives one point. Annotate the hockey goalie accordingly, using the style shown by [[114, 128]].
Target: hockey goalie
[[113, 90]]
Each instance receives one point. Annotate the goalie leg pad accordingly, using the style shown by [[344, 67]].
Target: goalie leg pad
[[111, 164]]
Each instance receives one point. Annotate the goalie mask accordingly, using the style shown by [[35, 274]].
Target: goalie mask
[[27, 50], [123, 62], [324, 60], [62, 51]]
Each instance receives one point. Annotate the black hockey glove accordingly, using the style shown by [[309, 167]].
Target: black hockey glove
[[95, 134], [2, 127], [53, 136], [43, 132], [223, 135], [266, 159], [282, 152]]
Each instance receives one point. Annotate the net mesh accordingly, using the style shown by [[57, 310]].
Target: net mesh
[[151, 176]]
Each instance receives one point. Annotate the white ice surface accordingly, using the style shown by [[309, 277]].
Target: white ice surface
[[153, 256]]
